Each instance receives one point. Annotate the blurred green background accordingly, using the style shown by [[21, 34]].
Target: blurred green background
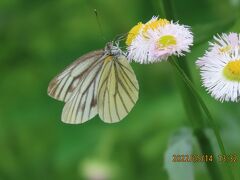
[[40, 38]]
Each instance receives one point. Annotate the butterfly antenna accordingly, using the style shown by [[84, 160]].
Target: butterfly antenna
[[120, 37], [118, 40], [99, 24]]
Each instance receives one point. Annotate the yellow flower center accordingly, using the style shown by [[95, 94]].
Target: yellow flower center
[[225, 49], [232, 70], [155, 24], [166, 41], [133, 33]]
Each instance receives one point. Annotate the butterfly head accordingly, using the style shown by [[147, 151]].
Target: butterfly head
[[112, 48]]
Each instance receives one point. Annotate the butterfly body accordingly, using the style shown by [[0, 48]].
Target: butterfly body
[[100, 82]]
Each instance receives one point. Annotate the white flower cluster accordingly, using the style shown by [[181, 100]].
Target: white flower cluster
[[158, 39]]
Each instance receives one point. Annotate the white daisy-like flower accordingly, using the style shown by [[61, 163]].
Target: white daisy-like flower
[[157, 40], [172, 39], [220, 68]]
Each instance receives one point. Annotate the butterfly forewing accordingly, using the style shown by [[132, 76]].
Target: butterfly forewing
[[82, 105], [117, 90], [100, 82], [63, 85]]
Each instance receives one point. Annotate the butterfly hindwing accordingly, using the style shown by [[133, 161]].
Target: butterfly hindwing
[[63, 85], [117, 90]]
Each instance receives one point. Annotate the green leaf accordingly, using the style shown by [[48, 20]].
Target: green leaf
[[180, 143]]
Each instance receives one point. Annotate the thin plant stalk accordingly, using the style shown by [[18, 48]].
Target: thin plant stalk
[[203, 105], [207, 112], [197, 122], [194, 115]]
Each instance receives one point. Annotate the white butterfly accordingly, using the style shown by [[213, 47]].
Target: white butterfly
[[100, 82]]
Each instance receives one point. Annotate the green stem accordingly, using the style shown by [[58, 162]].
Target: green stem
[[200, 135], [203, 105], [194, 114], [191, 96]]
